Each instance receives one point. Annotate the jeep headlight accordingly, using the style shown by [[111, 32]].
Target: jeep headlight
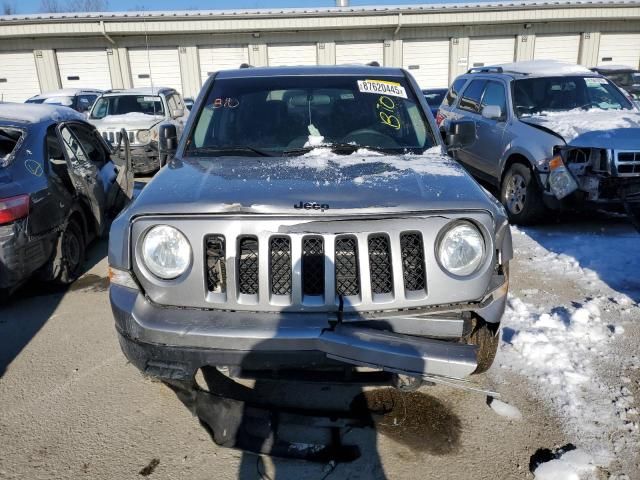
[[166, 252], [461, 249], [143, 136]]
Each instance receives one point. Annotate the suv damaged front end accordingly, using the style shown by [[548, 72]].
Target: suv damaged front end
[[310, 221]]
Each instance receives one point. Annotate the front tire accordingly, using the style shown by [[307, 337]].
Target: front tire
[[65, 265], [487, 338], [521, 195]]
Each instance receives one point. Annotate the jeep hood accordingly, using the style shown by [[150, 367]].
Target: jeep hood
[[619, 129], [129, 121], [320, 183]]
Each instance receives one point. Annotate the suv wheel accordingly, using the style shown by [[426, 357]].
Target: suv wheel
[[521, 195], [65, 265], [487, 339]]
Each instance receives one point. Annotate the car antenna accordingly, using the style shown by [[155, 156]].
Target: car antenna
[[146, 41]]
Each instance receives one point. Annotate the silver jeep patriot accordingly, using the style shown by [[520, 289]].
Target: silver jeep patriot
[[310, 219]]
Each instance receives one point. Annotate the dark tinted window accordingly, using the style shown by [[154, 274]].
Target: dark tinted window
[[494, 94], [434, 97], [453, 92], [90, 144], [85, 102], [471, 97]]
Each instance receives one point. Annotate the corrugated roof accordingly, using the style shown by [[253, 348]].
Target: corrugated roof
[[272, 12]]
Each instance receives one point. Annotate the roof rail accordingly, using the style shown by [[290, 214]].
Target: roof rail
[[245, 65], [373, 64], [485, 70]]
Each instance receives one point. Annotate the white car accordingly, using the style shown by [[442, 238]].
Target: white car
[[140, 111], [80, 99]]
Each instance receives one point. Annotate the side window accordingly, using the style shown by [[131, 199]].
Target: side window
[[471, 96], [494, 94], [453, 92], [85, 102], [173, 105], [55, 153], [74, 150], [90, 144]]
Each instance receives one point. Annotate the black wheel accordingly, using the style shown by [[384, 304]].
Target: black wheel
[[485, 336], [521, 195], [67, 260]]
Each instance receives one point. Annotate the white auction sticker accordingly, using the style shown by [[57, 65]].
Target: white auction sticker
[[382, 87]]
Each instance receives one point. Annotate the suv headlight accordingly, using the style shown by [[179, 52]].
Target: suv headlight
[[461, 249], [143, 136], [166, 252]]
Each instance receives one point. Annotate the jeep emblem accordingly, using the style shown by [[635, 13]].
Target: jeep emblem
[[312, 206]]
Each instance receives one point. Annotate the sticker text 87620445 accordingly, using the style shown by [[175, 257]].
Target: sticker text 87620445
[[387, 109]]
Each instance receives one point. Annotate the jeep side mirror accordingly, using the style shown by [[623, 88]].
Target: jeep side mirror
[[177, 113], [461, 134], [167, 142], [492, 112]]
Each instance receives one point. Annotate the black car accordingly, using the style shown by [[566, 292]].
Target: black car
[[434, 97], [59, 189], [625, 77]]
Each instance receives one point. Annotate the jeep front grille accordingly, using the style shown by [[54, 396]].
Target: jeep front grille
[[413, 269], [114, 137], [280, 264], [216, 270], [627, 163], [346, 269], [313, 266], [380, 264], [248, 270]]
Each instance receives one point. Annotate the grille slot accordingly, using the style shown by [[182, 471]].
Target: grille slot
[[248, 265], [346, 266], [280, 265], [628, 163], [216, 268], [380, 264], [413, 269], [312, 266]]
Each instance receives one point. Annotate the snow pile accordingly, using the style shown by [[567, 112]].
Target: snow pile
[[545, 67], [504, 409], [572, 124], [569, 466], [138, 117], [431, 162]]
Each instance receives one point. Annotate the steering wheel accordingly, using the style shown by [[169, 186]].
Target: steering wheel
[[370, 137]]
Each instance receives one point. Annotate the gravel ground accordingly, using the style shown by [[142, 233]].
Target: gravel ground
[[71, 407]]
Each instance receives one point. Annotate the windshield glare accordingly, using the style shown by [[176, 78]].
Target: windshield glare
[[287, 115], [556, 94], [123, 104]]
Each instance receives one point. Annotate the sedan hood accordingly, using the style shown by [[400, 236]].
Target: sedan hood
[[319, 183], [618, 129]]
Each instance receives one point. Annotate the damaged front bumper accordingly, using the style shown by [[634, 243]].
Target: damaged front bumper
[[173, 343], [145, 158]]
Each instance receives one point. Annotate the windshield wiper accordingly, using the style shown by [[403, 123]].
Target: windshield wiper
[[227, 150]]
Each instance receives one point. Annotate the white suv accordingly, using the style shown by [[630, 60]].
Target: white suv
[[140, 111]]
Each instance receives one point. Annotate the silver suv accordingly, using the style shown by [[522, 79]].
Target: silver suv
[[140, 111], [548, 135], [311, 219]]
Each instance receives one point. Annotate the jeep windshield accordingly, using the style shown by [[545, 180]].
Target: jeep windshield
[[291, 115], [125, 104], [533, 96]]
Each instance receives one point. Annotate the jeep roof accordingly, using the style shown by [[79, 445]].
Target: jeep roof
[[533, 68], [310, 70]]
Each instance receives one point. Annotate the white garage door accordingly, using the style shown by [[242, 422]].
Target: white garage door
[[563, 48], [354, 53], [84, 69], [620, 49], [491, 51], [293, 54], [213, 59], [165, 67], [427, 61], [18, 77]]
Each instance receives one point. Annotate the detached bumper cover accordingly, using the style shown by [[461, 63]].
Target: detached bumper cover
[[145, 158], [174, 343]]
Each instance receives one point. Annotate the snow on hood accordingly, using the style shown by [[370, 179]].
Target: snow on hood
[[131, 117], [593, 128]]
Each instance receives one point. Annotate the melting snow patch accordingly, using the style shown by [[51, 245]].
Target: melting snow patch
[[504, 409], [571, 465]]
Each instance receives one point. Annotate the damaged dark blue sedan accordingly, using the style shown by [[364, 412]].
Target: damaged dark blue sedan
[[59, 189]]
